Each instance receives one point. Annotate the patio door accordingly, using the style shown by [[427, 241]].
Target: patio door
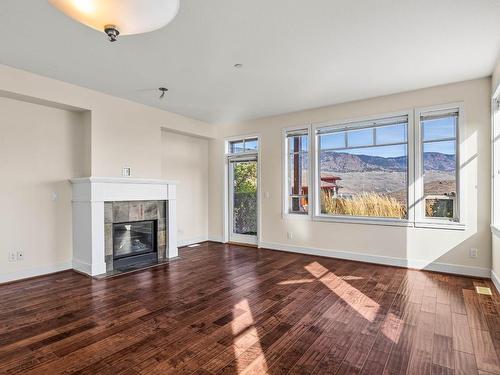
[[243, 198]]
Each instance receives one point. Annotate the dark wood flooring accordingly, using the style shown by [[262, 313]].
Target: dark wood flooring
[[230, 309]]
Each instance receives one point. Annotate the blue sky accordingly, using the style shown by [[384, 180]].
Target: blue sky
[[432, 130], [439, 128], [382, 151], [364, 137]]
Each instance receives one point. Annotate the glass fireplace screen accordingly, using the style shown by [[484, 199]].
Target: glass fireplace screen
[[133, 238]]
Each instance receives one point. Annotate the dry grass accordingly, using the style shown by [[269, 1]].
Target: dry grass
[[366, 204]]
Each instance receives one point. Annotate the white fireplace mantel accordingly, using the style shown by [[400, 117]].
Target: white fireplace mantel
[[89, 195]]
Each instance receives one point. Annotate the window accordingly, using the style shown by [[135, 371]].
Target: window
[[362, 169], [380, 170], [243, 145], [297, 171], [438, 160]]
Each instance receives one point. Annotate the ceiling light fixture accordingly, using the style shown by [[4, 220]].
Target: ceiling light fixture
[[238, 66], [163, 91], [120, 17]]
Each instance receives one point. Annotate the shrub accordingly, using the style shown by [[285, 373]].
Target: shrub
[[365, 204]]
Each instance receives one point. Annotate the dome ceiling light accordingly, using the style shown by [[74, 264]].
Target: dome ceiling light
[[120, 17]]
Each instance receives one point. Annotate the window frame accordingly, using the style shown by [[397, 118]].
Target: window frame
[[344, 124], [230, 140], [416, 216], [420, 219], [285, 153]]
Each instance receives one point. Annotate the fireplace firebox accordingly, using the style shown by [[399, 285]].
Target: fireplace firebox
[[134, 243]]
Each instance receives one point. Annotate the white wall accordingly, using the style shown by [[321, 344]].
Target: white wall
[[124, 133], [424, 247], [40, 149], [185, 159]]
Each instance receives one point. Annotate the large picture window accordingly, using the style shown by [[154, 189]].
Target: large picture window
[[438, 133], [297, 169], [363, 169], [397, 169]]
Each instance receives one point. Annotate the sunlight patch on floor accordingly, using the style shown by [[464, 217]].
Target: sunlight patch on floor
[[391, 328], [362, 304], [299, 281], [350, 278], [246, 336]]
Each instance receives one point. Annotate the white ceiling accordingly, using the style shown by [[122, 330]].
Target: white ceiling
[[297, 54]]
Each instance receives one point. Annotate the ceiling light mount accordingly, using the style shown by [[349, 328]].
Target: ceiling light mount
[[163, 91], [112, 32], [238, 66]]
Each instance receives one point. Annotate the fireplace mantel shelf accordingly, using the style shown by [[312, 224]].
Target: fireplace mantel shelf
[[121, 180]]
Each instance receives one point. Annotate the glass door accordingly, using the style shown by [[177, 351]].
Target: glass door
[[243, 199]]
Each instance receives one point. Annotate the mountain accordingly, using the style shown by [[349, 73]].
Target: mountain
[[343, 162], [437, 161]]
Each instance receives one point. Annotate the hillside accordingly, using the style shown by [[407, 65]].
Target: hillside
[[343, 162]]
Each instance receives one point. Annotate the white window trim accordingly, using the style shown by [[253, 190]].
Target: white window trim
[[495, 162], [317, 216], [228, 140], [284, 151], [420, 220]]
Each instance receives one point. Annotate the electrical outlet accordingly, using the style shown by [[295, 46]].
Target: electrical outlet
[[20, 256], [12, 256], [473, 253], [289, 235], [55, 196]]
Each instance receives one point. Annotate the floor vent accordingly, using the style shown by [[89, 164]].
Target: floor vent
[[483, 290]]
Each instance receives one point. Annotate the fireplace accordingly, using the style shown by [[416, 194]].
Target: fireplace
[[104, 209], [134, 243]]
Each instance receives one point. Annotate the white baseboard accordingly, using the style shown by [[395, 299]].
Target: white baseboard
[[191, 241], [380, 259], [82, 267], [199, 239], [495, 280], [36, 271], [361, 257], [215, 238]]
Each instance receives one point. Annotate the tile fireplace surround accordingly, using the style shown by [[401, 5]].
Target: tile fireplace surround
[[92, 197], [135, 212]]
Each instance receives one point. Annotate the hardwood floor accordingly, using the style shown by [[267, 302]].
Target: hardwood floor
[[230, 309]]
